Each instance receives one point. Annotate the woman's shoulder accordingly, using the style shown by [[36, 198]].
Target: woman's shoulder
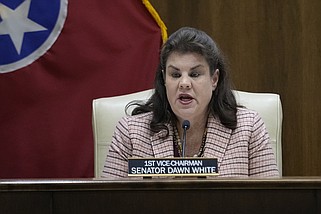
[[136, 125], [142, 116], [139, 119], [245, 112], [245, 115]]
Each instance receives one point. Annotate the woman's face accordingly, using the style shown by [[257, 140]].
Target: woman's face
[[189, 85]]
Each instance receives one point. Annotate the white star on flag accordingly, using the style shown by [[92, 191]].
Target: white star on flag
[[16, 23]]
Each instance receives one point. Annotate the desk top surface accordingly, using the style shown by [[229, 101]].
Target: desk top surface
[[157, 183]]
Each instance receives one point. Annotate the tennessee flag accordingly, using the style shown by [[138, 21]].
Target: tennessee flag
[[56, 56]]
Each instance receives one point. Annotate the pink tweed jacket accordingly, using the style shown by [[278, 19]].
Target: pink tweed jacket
[[243, 152]]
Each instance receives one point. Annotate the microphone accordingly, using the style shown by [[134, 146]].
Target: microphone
[[185, 125]]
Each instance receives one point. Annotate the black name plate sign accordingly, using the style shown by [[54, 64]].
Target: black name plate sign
[[148, 167]]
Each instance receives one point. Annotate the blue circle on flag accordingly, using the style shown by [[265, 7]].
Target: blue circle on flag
[[28, 28]]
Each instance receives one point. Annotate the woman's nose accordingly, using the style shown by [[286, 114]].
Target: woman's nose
[[185, 83]]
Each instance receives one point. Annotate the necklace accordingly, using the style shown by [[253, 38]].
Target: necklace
[[178, 144]]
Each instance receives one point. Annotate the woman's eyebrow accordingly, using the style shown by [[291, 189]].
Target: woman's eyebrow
[[172, 66], [192, 68], [200, 65]]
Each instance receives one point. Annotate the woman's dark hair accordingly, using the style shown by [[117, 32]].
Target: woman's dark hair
[[222, 104]]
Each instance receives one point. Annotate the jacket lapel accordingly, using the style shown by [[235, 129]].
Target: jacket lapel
[[217, 139], [163, 146]]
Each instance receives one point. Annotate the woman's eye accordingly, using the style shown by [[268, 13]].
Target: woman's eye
[[194, 74], [176, 75]]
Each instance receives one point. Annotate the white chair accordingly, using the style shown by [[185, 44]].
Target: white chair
[[107, 111], [269, 107]]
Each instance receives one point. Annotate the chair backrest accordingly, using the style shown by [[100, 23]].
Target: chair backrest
[[108, 111], [269, 107]]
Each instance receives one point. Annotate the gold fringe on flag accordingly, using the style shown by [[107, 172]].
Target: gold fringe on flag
[[157, 18]]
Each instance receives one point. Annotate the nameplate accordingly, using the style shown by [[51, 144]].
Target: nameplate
[[149, 167]]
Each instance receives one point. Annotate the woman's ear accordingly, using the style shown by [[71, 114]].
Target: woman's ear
[[215, 79], [163, 75]]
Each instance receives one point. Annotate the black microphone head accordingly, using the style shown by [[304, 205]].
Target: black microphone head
[[186, 124]]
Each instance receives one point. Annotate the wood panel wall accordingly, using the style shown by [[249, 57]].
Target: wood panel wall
[[272, 46]]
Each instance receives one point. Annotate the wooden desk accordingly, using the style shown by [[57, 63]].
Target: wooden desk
[[286, 195]]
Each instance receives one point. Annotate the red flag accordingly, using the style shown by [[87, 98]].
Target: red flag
[[105, 48]]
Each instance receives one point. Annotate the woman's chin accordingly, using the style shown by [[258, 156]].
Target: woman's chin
[[186, 114]]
